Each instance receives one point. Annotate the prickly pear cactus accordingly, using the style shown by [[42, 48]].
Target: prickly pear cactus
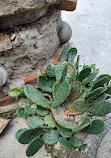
[[66, 102]]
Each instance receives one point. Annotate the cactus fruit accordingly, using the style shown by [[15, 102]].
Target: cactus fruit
[[35, 122], [77, 107], [34, 146], [41, 111], [14, 92], [100, 108], [96, 127], [51, 137], [59, 69], [77, 143], [45, 84], [64, 53], [71, 54], [94, 94], [84, 73], [65, 143], [30, 110], [25, 101], [21, 112], [50, 121], [60, 94], [36, 96], [64, 132], [25, 136], [50, 71], [85, 122], [100, 82]]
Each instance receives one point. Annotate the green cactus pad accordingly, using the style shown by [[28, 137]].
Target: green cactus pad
[[101, 77], [71, 54], [30, 110], [64, 132], [65, 143], [94, 94], [51, 137], [96, 127], [50, 121], [77, 107], [36, 96], [102, 97], [89, 78], [60, 94], [86, 121], [108, 90], [35, 122], [77, 63], [66, 124], [41, 111], [21, 112], [26, 136], [46, 84], [34, 146], [50, 71], [70, 70], [14, 92], [25, 101], [77, 143], [64, 53], [19, 132], [59, 68], [100, 109], [84, 73], [101, 82]]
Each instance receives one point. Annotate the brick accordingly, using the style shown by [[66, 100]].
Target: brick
[[68, 5], [56, 58], [6, 100], [43, 71], [29, 79]]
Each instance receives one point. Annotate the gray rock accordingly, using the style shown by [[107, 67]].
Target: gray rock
[[65, 32], [104, 150], [3, 76], [3, 124], [14, 12]]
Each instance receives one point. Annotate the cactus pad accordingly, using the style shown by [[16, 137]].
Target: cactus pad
[[100, 109], [101, 77], [35, 122], [34, 146], [25, 136], [21, 112], [64, 132], [36, 96], [30, 110], [50, 121], [14, 92], [96, 127], [71, 54], [45, 84], [84, 73], [60, 94], [59, 68], [51, 137], [65, 143], [25, 101], [64, 53], [41, 111], [50, 71], [19, 132], [85, 122], [89, 78]]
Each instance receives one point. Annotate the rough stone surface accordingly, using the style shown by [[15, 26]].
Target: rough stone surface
[[3, 124], [65, 32], [3, 76], [33, 46], [5, 42], [18, 12], [104, 150], [9, 108]]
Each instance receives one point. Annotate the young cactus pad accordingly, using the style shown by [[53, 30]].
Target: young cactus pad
[[60, 94], [36, 96], [65, 143], [35, 122], [50, 71]]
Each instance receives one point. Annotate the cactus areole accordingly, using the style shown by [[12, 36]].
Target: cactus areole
[[64, 91]]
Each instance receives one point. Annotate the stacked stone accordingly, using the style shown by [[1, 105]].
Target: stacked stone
[[31, 32]]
